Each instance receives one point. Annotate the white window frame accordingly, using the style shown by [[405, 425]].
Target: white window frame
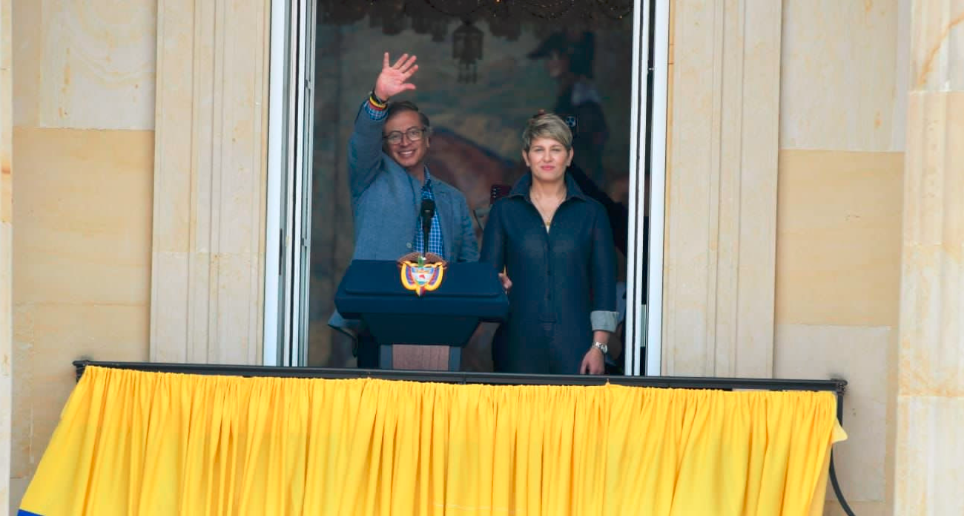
[[288, 227], [644, 323], [289, 184]]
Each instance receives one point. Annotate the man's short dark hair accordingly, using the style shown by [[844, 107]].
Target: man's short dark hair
[[406, 105]]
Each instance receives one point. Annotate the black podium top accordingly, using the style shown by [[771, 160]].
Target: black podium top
[[467, 290]]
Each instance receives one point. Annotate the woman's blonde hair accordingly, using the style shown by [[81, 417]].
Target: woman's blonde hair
[[546, 126]]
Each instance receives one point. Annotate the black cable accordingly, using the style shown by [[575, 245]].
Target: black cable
[[833, 471]]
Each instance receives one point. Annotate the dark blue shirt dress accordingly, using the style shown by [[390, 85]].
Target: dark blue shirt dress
[[563, 280]]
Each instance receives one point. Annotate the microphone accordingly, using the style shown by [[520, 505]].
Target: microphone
[[427, 212]]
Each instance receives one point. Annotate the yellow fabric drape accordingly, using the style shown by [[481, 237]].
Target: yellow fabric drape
[[135, 443]]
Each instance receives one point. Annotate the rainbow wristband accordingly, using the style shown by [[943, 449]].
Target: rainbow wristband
[[378, 105]]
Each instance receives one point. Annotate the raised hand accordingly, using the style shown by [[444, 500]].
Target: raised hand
[[394, 78]]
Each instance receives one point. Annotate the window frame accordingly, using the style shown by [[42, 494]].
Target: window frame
[[288, 238], [288, 203], [649, 134]]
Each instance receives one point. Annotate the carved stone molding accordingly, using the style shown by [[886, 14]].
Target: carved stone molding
[[721, 189], [930, 380], [210, 181]]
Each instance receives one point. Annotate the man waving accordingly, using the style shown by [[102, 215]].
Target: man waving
[[389, 180]]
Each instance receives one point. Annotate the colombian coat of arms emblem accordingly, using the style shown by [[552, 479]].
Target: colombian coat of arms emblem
[[420, 274]]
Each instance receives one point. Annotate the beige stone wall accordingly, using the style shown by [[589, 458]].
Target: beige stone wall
[[842, 132], [83, 132], [930, 381], [842, 110], [6, 254], [84, 146]]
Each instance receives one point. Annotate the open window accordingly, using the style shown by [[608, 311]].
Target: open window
[[485, 68]]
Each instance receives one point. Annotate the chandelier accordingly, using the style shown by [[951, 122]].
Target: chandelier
[[505, 19]]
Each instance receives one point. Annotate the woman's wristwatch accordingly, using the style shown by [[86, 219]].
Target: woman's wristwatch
[[601, 347]]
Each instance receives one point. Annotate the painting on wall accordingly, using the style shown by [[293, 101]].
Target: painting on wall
[[481, 77]]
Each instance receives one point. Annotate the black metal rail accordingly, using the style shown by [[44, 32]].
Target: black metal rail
[[664, 382], [837, 386]]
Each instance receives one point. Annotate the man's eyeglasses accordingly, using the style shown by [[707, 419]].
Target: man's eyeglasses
[[414, 134]]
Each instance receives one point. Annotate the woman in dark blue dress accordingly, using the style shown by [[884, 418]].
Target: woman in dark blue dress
[[555, 245]]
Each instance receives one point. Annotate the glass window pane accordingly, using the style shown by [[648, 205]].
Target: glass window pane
[[483, 72]]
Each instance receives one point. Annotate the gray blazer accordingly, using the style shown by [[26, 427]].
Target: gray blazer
[[385, 200]]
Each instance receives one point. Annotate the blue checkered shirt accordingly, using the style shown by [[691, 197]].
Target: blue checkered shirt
[[435, 232], [376, 114]]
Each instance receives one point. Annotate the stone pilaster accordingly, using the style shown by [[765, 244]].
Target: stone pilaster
[[721, 203], [930, 432], [210, 181]]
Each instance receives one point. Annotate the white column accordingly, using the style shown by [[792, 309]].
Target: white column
[[720, 250], [210, 181], [930, 395]]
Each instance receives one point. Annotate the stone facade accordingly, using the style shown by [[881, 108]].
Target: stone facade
[[804, 135], [930, 382]]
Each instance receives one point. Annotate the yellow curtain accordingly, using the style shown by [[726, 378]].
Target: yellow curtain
[[135, 443]]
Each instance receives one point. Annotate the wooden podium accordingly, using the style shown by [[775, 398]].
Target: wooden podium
[[423, 358]]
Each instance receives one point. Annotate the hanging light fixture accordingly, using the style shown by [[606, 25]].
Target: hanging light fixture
[[427, 20], [467, 50], [505, 18], [553, 12]]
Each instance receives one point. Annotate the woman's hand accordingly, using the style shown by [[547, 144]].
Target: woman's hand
[[393, 78], [593, 362], [506, 282]]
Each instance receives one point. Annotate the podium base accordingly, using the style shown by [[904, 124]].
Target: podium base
[[424, 358]]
